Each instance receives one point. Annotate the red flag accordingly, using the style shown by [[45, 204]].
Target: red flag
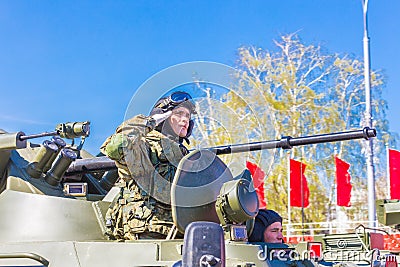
[[394, 173], [298, 184], [343, 184], [258, 180]]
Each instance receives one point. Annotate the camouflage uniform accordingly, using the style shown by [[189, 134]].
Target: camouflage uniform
[[135, 213]]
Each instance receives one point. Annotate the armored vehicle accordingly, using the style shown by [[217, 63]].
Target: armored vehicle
[[54, 197], [365, 245]]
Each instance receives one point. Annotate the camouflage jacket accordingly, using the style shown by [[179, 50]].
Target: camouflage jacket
[[146, 161]]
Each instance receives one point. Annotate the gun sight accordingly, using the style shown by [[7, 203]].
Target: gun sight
[[73, 130], [69, 130]]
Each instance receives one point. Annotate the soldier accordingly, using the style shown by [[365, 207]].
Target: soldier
[[146, 150], [267, 227]]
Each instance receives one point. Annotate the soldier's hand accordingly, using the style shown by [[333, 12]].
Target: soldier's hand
[[159, 118]]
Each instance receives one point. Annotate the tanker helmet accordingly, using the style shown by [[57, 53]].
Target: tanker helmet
[[176, 99], [264, 219]]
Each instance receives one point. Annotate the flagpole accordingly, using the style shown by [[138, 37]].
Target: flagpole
[[302, 199], [336, 193], [368, 118], [288, 189], [387, 172]]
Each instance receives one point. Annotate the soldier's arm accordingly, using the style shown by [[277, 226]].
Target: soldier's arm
[[128, 135]]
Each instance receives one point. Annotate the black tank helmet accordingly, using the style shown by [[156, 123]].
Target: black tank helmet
[[176, 99], [263, 219]]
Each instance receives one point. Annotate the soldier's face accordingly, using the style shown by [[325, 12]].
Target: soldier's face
[[273, 233], [179, 121]]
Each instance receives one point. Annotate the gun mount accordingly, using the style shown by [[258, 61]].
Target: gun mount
[[48, 161]]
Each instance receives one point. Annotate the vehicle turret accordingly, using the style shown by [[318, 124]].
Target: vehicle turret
[[54, 197]]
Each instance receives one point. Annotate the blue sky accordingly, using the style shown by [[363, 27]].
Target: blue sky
[[83, 60]]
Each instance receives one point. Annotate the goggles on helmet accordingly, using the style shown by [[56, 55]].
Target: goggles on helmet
[[175, 99], [178, 97]]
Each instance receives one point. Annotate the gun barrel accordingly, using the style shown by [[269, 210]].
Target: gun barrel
[[365, 133], [287, 142], [31, 136], [90, 165]]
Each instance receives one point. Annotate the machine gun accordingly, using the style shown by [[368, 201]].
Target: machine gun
[[286, 142], [103, 163]]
